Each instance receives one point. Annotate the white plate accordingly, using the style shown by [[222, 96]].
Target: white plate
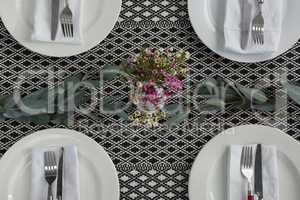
[[98, 176], [207, 17], [98, 19], [208, 175]]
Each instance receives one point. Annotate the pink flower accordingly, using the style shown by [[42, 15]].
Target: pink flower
[[173, 65], [149, 88], [150, 51], [166, 93], [173, 82], [151, 94]]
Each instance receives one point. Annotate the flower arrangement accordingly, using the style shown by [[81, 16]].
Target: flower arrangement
[[155, 75]]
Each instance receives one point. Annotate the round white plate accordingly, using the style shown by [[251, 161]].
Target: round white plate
[[207, 17], [98, 176], [208, 175], [98, 19]]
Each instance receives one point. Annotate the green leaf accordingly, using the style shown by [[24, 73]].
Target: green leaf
[[177, 119], [81, 97], [253, 94], [60, 119], [241, 105], [15, 113], [70, 83], [37, 101], [123, 115], [293, 91], [110, 106], [174, 107], [40, 119], [110, 72], [116, 108], [95, 83], [213, 105], [73, 101], [216, 102], [2, 117], [3, 103], [73, 79], [209, 87], [231, 90], [264, 107], [231, 95]]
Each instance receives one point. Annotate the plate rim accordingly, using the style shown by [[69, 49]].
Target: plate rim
[[213, 140], [68, 133], [68, 49]]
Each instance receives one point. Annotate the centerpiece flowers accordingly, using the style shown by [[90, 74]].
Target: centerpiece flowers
[[154, 76]]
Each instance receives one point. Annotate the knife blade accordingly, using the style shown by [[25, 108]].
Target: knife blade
[[54, 18], [60, 175], [258, 179]]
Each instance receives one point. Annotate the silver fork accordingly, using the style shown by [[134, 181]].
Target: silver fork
[[247, 168], [50, 168], [258, 24], [66, 19]]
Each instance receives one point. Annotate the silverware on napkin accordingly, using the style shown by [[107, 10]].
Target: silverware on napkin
[[60, 175], [54, 18], [258, 180]]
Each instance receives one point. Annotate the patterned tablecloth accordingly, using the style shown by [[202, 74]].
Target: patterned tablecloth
[[152, 163]]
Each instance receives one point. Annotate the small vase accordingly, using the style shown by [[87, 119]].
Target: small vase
[[145, 102]]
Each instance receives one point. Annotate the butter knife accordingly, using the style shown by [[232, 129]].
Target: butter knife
[[54, 18], [258, 176], [60, 176]]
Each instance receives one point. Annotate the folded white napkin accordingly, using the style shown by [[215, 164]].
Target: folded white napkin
[[237, 185], [238, 21], [39, 185], [42, 22]]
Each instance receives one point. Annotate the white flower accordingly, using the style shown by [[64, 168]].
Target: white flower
[[139, 84], [187, 55]]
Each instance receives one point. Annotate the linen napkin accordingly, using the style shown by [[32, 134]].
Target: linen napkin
[[237, 185], [39, 185], [238, 21], [42, 22]]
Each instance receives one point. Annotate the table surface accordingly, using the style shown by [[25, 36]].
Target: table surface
[[152, 163]]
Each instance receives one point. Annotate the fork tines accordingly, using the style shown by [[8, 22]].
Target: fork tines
[[247, 157], [50, 165], [258, 34], [258, 24], [66, 19]]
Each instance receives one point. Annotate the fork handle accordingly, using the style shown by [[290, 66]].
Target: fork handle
[[251, 197], [250, 193], [50, 194]]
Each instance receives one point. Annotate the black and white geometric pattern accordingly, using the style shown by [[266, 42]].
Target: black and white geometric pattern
[[152, 163]]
